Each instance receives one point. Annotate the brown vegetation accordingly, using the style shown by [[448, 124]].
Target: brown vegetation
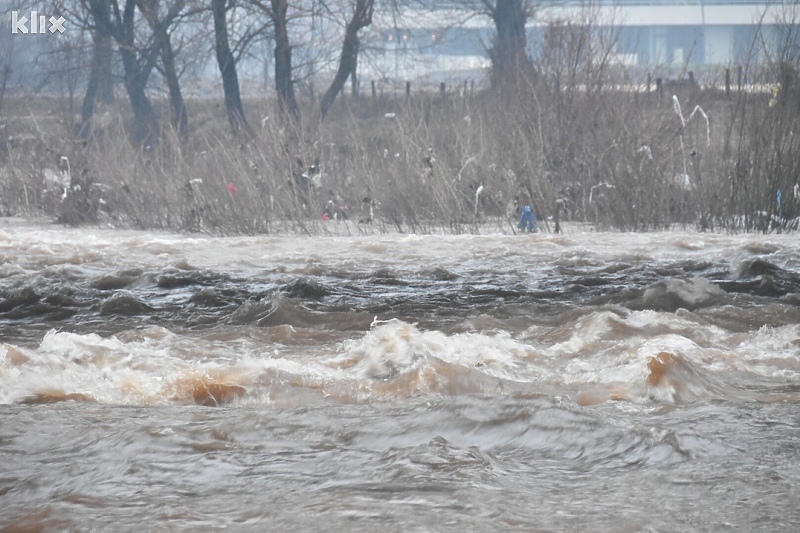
[[579, 137], [611, 157]]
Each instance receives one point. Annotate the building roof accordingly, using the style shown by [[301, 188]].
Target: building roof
[[607, 12]]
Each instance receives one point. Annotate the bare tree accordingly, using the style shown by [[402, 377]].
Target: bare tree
[[361, 18], [227, 68], [508, 53], [100, 84], [62, 66], [138, 66], [159, 25], [508, 50], [5, 65], [277, 11], [6, 53]]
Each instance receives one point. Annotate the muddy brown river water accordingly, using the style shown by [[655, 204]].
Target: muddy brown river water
[[578, 382]]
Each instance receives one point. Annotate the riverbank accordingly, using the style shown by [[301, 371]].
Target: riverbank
[[623, 160]]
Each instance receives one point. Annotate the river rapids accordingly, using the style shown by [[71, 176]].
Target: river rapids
[[577, 382]]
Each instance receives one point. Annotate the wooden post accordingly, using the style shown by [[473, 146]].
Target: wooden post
[[408, 90], [374, 92], [649, 79], [354, 84], [558, 216], [471, 88], [728, 82], [659, 88], [739, 74], [691, 77], [442, 88]]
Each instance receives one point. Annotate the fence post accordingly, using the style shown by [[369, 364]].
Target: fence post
[[739, 74], [408, 90], [374, 92], [442, 88], [728, 82], [659, 88], [558, 216], [649, 79], [354, 83]]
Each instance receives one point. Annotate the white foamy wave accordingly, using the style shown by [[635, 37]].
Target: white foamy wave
[[147, 367], [587, 332], [641, 357], [771, 352], [155, 366], [673, 294], [396, 347], [626, 365]]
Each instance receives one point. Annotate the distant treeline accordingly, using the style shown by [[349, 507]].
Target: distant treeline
[[569, 132]]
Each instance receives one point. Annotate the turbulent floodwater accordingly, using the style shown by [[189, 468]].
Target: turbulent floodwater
[[581, 382]]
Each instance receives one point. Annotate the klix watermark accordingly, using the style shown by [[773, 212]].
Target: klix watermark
[[34, 22]]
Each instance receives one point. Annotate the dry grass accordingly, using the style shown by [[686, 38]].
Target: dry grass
[[611, 157]]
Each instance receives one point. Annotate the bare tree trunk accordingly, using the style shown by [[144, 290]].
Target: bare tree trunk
[[508, 53], [145, 129], [179, 116], [84, 128], [149, 8], [227, 69], [6, 74], [283, 59], [105, 52], [100, 86], [362, 17]]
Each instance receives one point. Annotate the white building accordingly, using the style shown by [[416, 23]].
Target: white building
[[447, 36], [701, 32]]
